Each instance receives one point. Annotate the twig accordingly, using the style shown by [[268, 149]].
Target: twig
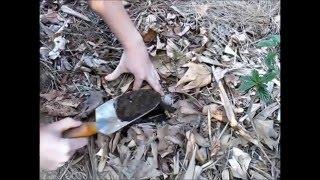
[[262, 172], [113, 48], [223, 130], [209, 126]]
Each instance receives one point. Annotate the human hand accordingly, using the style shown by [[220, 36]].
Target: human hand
[[55, 150], [136, 60]]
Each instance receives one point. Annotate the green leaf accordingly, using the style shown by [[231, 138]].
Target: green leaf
[[270, 60], [268, 77], [255, 76], [271, 42], [263, 93], [246, 84]]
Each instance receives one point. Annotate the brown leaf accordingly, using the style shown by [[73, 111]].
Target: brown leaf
[[93, 101], [256, 175], [201, 141], [265, 127], [184, 31], [239, 163], [176, 166], [172, 50], [225, 175], [201, 155], [265, 131], [216, 145], [147, 170], [196, 76], [50, 16], [216, 112], [127, 85], [163, 65], [115, 141], [112, 173], [51, 95], [202, 10], [70, 102], [191, 167], [55, 109], [149, 36], [175, 140], [186, 108]]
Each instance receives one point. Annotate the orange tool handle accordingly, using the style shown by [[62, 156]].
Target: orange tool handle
[[85, 130]]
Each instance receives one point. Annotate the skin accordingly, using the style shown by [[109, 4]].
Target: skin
[[55, 150]]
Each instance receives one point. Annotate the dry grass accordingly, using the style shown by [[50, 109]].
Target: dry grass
[[221, 18]]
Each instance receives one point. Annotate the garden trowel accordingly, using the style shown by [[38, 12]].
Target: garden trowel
[[117, 113]]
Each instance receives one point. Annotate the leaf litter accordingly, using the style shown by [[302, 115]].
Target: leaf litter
[[212, 133]]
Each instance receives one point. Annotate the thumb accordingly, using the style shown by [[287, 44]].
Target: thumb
[[77, 143], [114, 75], [65, 124]]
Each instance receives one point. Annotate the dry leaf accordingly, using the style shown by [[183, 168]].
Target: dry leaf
[[239, 163], [164, 70], [70, 102], [115, 141], [170, 16], [201, 155], [196, 76], [94, 100], [178, 11], [174, 139], [160, 45], [132, 143], [186, 108], [202, 10], [225, 175], [228, 50], [172, 50], [225, 100], [264, 127], [176, 166], [264, 114], [201, 141], [112, 173], [59, 45], [184, 31], [254, 108], [55, 109], [215, 112], [190, 170], [81, 47], [65, 64], [265, 131], [149, 36], [256, 175], [51, 95], [197, 172], [50, 16], [68, 10], [225, 58], [215, 148], [127, 85], [151, 19]]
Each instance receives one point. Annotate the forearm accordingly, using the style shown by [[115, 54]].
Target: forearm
[[114, 14]]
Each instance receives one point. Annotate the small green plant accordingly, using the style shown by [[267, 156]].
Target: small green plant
[[257, 81]]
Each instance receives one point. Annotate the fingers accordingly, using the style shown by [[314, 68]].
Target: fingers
[[155, 85], [137, 84], [115, 74], [65, 124], [77, 143]]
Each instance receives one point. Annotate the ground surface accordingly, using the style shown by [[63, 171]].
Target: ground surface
[[200, 49]]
